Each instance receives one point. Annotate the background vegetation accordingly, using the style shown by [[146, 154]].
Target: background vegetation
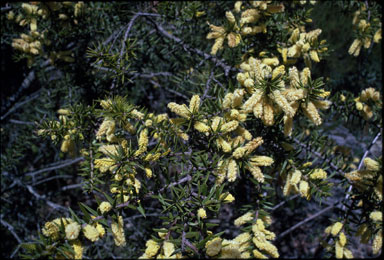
[[153, 53]]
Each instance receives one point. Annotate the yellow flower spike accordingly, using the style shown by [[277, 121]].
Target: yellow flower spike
[[78, 249], [91, 233], [143, 142], [252, 145], [296, 177], [268, 113], [100, 229], [336, 228], [137, 114], [194, 104], [305, 75], [377, 36], [257, 254], [342, 239], [260, 160], [232, 171], [244, 218], [224, 145], [238, 5], [256, 173], [233, 39], [371, 165], [202, 213], [118, 232], [304, 189], [355, 47], [271, 61], [217, 45], [229, 127], [239, 152], [181, 110], [314, 56], [201, 127], [230, 17], [252, 101], [318, 174], [249, 16], [377, 242], [311, 112], [347, 253], [148, 172], [294, 36], [278, 71], [282, 102], [227, 101], [152, 248], [338, 250]]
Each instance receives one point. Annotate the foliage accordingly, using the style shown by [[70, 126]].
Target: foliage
[[191, 129]]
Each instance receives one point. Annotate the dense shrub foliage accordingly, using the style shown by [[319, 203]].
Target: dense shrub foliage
[[247, 129]]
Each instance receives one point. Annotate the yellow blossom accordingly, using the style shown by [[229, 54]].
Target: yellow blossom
[[118, 232], [201, 127], [72, 231], [376, 216], [202, 213], [377, 242], [152, 248], [318, 174], [78, 249], [304, 189], [105, 206], [336, 228], [213, 246], [244, 218], [91, 233], [371, 165], [232, 171], [168, 248], [228, 198], [342, 239]]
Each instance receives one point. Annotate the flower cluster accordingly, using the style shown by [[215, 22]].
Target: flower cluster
[[303, 44], [335, 230], [368, 32], [33, 43], [158, 250], [243, 26], [368, 97]]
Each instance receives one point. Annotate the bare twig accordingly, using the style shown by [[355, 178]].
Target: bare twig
[[281, 235], [207, 85], [11, 229], [319, 155], [188, 48], [14, 121], [59, 166], [72, 186], [50, 203]]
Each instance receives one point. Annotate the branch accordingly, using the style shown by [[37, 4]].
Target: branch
[[281, 235], [50, 203], [11, 229], [59, 166], [319, 155], [188, 48], [361, 163]]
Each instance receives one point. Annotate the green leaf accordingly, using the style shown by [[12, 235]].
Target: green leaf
[[141, 210]]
